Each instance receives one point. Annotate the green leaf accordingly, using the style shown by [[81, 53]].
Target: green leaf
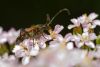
[[85, 47], [98, 40], [3, 49]]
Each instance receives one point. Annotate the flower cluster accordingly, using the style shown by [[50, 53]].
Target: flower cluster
[[54, 50], [9, 36], [87, 22], [31, 47]]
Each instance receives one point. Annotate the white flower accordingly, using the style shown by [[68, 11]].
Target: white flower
[[75, 22], [3, 37], [12, 35], [8, 60], [62, 41], [43, 39], [87, 22], [90, 21], [19, 51], [85, 39], [26, 49], [56, 31], [9, 36]]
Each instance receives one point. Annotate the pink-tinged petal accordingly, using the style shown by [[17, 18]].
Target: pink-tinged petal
[[12, 35], [82, 19], [48, 37], [86, 29], [74, 21], [92, 16], [71, 26], [42, 39], [1, 29], [59, 37], [92, 36], [54, 44], [3, 38], [85, 34], [28, 43], [70, 46], [19, 52], [80, 44], [84, 25], [42, 45], [96, 22], [68, 37], [76, 38], [17, 47], [45, 38], [58, 28], [34, 51], [90, 44], [25, 60]]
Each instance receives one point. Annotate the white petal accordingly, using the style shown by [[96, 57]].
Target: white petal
[[59, 38], [25, 60], [85, 34], [42, 45], [36, 47], [34, 51], [92, 16], [58, 28], [54, 44], [68, 37], [3, 37], [3, 40], [76, 38], [45, 37], [28, 43], [90, 44], [82, 19], [92, 36], [85, 29], [74, 21], [70, 46], [19, 51], [71, 26], [1, 29], [80, 44], [17, 47], [96, 22], [12, 35]]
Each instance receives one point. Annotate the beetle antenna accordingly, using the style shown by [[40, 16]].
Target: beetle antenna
[[50, 21]]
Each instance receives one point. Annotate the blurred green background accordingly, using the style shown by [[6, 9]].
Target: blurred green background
[[24, 13]]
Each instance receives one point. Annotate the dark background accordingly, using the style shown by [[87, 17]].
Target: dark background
[[24, 13]]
